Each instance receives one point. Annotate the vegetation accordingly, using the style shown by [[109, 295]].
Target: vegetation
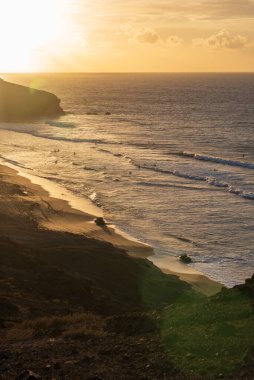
[[201, 338], [211, 337], [79, 324]]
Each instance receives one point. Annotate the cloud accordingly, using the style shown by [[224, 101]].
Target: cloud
[[141, 35], [147, 36], [174, 41], [183, 10], [223, 39], [228, 9]]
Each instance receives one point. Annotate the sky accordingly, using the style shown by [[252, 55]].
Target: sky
[[127, 35]]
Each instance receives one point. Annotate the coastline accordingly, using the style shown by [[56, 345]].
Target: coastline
[[67, 213], [63, 212], [79, 303]]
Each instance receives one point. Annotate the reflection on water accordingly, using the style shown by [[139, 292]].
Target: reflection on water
[[169, 158]]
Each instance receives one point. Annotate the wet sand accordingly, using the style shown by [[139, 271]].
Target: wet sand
[[56, 209]]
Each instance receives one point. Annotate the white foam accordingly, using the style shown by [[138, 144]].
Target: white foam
[[218, 160], [61, 124], [209, 180], [57, 191]]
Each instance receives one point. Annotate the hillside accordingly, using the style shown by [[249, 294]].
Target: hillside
[[20, 102]]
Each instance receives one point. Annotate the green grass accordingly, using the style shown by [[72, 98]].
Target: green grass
[[209, 337], [205, 337]]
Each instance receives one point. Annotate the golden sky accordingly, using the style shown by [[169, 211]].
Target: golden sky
[[126, 35]]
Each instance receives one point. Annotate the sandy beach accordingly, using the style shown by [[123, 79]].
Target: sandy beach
[[61, 254], [77, 298], [53, 208], [126, 190], [62, 211]]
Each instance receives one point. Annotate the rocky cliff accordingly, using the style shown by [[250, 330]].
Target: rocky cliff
[[20, 102]]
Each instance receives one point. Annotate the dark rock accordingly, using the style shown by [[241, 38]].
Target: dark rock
[[249, 356], [247, 288], [28, 375], [4, 355], [86, 359], [57, 365], [185, 259], [20, 102], [100, 221], [70, 362], [8, 310], [107, 113], [107, 351]]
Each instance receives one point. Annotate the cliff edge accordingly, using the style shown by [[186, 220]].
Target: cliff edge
[[20, 102]]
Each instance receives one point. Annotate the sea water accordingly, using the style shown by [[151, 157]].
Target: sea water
[[168, 157]]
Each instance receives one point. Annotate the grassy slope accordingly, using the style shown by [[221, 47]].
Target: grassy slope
[[49, 279], [212, 337], [208, 338], [44, 272]]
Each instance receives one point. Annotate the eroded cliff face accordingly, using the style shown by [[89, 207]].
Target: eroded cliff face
[[20, 102]]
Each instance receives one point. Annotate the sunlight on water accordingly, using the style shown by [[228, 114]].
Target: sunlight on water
[[169, 159]]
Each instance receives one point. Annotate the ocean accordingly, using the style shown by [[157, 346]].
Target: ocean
[[168, 157]]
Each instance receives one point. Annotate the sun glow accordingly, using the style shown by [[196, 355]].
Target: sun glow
[[26, 27], [126, 36]]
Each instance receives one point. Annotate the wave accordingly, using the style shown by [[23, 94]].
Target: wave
[[110, 152], [218, 160], [61, 124], [209, 180], [50, 178], [74, 140], [15, 163], [89, 168], [104, 151], [97, 141], [182, 239], [44, 135], [159, 184], [95, 199]]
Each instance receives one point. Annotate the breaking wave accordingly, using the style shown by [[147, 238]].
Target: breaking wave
[[61, 124], [209, 180], [217, 160]]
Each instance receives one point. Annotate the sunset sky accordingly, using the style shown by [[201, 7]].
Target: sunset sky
[[126, 35]]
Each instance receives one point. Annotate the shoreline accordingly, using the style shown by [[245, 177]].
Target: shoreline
[[66, 212]]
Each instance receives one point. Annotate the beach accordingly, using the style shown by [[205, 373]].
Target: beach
[[81, 298], [24, 202], [74, 294], [52, 251], [162, 170], [126, 190]]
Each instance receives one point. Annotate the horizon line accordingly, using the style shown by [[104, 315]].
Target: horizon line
[[125, 72]]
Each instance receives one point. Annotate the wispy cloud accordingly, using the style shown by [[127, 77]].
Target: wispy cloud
[[174, 41], [228, 9], [147, 36], [201, 9], [223, 39]]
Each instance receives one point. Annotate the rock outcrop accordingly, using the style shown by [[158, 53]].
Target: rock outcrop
[[19, 102], [247, 288]]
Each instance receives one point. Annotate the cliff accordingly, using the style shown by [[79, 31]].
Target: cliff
[[20, 102]]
